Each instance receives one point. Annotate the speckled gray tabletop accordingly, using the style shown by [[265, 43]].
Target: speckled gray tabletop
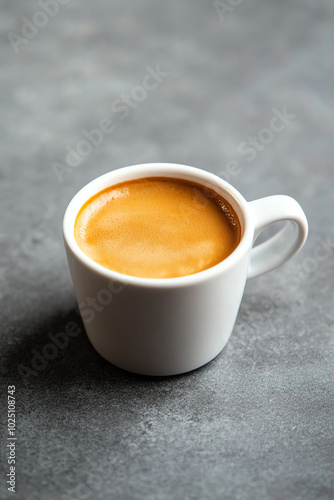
[[255, 423]]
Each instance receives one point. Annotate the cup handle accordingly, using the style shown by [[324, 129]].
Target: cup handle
[[283, 245]]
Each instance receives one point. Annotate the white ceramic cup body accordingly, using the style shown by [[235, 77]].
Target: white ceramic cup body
[[171, 326]]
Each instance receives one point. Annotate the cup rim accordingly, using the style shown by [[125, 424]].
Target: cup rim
[[172, 170]]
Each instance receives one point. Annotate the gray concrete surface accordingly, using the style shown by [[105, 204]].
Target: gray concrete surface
[[257, 422]]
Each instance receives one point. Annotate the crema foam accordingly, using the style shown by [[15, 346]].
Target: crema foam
[[157, 227]]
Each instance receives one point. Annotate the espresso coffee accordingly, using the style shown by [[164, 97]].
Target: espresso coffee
[[157, 227]]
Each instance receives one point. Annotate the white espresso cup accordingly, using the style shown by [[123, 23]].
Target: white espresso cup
[[174, 325]]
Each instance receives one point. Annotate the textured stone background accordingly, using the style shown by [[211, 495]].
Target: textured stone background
[[257, 422]]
